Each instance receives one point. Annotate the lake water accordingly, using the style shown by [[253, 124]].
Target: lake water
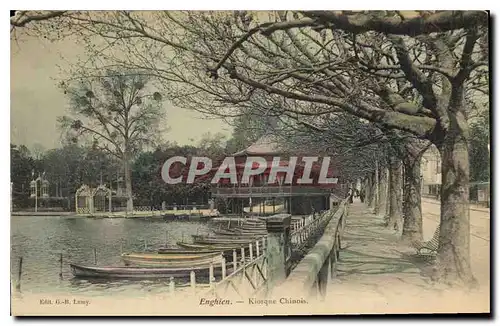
[[41, 239]]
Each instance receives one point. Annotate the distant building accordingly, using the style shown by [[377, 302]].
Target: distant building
[[296, 198], [430, 169], [430, 166]]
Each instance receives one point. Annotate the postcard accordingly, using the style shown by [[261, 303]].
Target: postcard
[[187, 163]]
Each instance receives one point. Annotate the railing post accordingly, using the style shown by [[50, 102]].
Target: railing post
[[211, 274], [250, 249], [235, 263], [171, 285], [277, 248], [223, 262], [257, 248], [192, 279]]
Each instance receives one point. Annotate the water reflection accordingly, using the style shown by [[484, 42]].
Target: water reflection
[[40, 240]]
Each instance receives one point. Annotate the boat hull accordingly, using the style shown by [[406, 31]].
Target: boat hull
[[200, 246], [80, 271], [172, 260], [184, 251], [228, 238]]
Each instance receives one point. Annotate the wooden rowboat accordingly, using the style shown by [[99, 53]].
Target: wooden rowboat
[[199, 246], [252, 226], [228, 237], [226, 249], [173, 256], [137, 272], [237, 239], [229, 242], [171, 260], [236, 233], [226, 232], [243, 231], [184, 251]]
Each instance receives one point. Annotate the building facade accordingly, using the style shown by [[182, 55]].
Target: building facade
[[430, 169], [259, 192]]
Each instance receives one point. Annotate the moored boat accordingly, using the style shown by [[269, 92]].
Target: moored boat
[[249, 231], [183, 251], [199, 246], [137, 272], [226, 232], [228, 238], [171, 260], [221, 241]]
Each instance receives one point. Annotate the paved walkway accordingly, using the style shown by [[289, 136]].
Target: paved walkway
[[380, 274]]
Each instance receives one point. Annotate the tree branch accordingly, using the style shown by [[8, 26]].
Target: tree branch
[[24, 18], [437, 22]]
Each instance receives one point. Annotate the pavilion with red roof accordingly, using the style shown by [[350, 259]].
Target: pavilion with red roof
[[297, 199]]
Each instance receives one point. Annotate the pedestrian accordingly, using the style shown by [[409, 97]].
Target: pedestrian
[[362, 195]]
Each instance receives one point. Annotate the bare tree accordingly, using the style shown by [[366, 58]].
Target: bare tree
[[38, 151], [117, 114]]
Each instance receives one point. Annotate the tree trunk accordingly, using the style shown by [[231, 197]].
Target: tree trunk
[[454, 238], [376, 188], [128, 185], [382, 197], [369, 191], [366, 188], [387, 200], [412, 206], [395, 196]]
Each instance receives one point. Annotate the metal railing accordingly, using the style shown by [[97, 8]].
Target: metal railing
[[307, 231], [318, 267]]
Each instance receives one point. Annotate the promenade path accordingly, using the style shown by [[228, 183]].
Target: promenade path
[[378, 273]]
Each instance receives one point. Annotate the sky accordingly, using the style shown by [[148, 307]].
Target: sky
[[36, 101]]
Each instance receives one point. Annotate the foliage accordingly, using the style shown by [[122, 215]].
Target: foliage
[[150, 189], [21, 167], [479, 152]]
